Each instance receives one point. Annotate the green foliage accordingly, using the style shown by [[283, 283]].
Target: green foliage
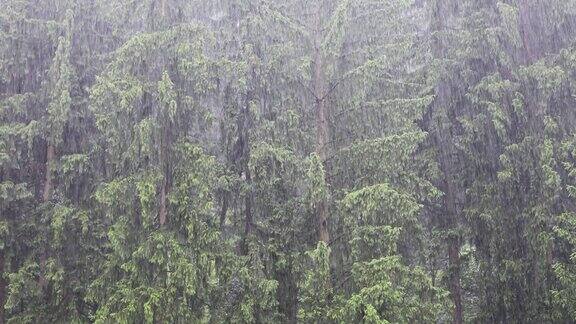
[[195, 153], [318, 191], [566, 271], [389, 292], [316, 287]]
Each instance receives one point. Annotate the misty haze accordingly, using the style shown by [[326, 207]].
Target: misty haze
[[287, 161]]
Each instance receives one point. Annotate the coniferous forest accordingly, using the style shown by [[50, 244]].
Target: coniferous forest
[[287, 161]]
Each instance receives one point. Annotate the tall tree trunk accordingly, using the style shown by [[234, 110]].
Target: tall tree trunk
[[163, 8], [243, 147], [248, 217], [451, 224], [163, 213], [48, 176], [165, 142], [50, 155], [321, 120], [2, 287], [455, 289], [224, 210], [2, 272], [526, 32], [443, 141]]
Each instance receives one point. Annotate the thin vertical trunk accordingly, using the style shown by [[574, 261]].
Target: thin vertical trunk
[[321, 125], [453, 239], [455, 289], [243, 145], [50, 155], [163, 214], [157, 14], [48, 176], [165, 187], [248, 220], [2, 287], [224, 210], [287, 293], [441, 12], [526, 32], [164, 141], [321, 120], [163, 8]]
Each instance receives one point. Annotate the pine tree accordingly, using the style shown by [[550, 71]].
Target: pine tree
[[286, 161], [492, 110]]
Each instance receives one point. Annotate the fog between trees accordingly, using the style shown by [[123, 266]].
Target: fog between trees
[[282, 161]]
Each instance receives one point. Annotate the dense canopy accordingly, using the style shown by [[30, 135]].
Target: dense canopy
[[283, 161]]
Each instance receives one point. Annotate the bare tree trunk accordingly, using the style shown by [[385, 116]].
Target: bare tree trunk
[[321, 120]]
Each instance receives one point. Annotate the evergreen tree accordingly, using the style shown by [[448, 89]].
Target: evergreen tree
[[266, 161]]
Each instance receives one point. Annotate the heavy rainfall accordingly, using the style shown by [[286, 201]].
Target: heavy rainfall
[[287, 161]]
